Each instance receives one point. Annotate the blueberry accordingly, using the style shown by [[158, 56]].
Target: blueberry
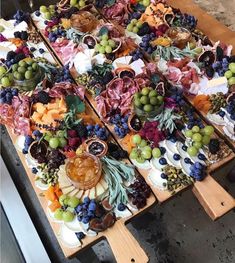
[[37, 13], [163, 176], [187, 160], [85, 220], [34, 170], [201, 157], [121, 207], [176, 157], [41, 50], [92, 207], [162, 161], [198, 165], [184, 147], [80, 235], [24, 151], [163, 150], [173, 139], [86, 200], [221, 113], [78, 208], [97, 127], [89, 127]]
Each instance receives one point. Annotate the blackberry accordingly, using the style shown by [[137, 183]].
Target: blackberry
[[11, 55], [17, 34], [43, 97], [214, 146], [81, 130], [107, 77], [112, 147], [210, 72], [24, 35], [145, 29], [19, 57], [219, 53]]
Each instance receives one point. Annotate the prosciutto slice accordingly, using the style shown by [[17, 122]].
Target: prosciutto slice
[[117, 96], [115, 12], [65, 88]]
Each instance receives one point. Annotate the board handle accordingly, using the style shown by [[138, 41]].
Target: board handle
[[213, 197], [124, 246]]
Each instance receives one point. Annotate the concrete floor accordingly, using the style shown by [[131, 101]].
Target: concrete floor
[[178, 231]]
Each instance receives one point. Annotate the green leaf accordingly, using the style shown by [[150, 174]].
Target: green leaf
[[75, 103], [103, 31]]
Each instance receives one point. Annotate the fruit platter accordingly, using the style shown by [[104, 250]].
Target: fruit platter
[[108, 102]]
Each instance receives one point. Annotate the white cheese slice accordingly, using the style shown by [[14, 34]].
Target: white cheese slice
[[40, 185], [155, 179], [19, 143], [216, 119], [122, 214], [68, 237], [145, 166], [215, 85]]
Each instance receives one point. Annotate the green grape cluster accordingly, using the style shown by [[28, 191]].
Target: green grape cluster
[[106, 45], [6, 78], [25, 69], [148, 99], [134, 26], [57, 140], [143, 151], [78, 3], [68, 202], [47, 12], [199, 137]]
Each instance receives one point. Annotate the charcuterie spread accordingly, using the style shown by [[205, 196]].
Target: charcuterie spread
[[111, 100]]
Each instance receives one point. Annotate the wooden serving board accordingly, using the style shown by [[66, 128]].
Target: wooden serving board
[[124, 246], [163, 196]]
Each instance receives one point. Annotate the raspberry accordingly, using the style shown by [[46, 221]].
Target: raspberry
[[72, 133], [74, 142]]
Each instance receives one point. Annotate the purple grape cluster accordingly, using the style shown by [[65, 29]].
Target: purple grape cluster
[[145, 44], [7, 94], [139, 192], [28, 141], [21, 16], [136, 54], [221, 66], [231, 109], [86, 211], [97, 130], [120, 125], [198, 171], [188, 21], [178, 97], [56, 34], [62, 74], [193, 120]]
